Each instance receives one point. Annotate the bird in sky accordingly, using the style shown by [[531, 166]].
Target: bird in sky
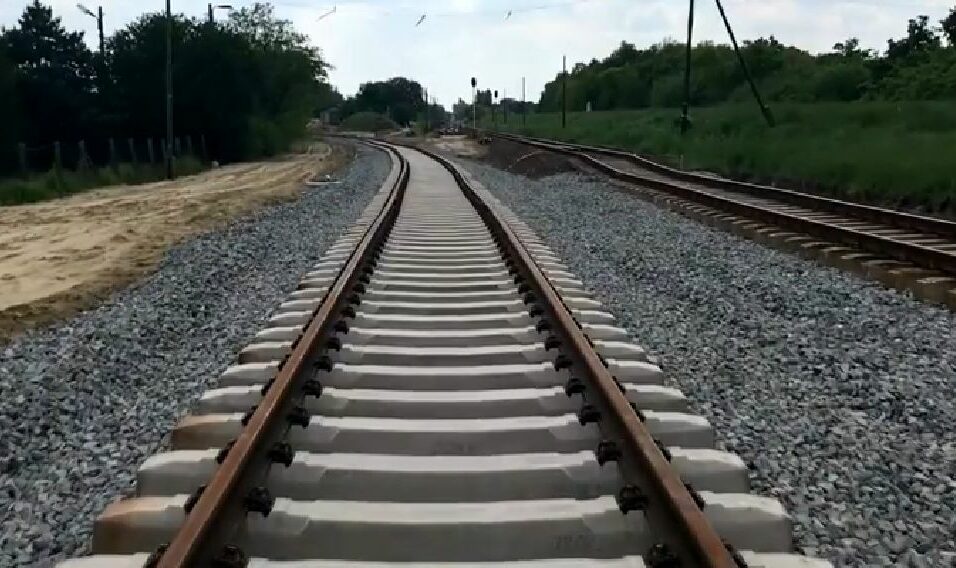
[[420, 20], [509, 15], [327, 14]]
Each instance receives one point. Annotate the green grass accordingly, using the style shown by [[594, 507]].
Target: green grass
[[51, 185], [896, 154]]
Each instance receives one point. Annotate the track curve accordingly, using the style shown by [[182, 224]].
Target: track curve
[[925, 241], [441, 391]]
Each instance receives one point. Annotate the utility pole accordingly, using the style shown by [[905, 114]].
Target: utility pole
[[211, 11], [474, 104], [99, 27], [211, 14], [564, 90], [98, 16], [524, 108], [685, 116], [169, 91], [504, 104], [743, 66]]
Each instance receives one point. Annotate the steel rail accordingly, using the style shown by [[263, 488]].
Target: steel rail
[[918, 254], [697, 533], [891, 217], [192, 540]]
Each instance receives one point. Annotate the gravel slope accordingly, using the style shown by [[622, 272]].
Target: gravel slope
[[82, 403], [838, 392]]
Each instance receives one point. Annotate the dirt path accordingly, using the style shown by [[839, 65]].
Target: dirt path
[[58, 257]]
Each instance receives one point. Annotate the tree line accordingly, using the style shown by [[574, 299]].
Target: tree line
[[249, 84], [400, 99], [918, 66]]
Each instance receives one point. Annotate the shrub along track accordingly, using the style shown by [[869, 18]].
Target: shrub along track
[[902, 250], [441, 389]]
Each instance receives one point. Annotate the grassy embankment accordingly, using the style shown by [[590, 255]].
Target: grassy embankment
[[895, 154], [51, 184]]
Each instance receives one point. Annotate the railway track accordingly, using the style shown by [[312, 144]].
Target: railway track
[[441, 391], [901, 249]]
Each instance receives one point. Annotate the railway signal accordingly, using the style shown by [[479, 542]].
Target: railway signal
[[474, 104]]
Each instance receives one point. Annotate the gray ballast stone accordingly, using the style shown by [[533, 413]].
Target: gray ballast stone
[[837, 392], [85, 401], [754, 560]]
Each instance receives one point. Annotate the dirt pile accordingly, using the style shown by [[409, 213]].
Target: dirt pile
[[58, 257]]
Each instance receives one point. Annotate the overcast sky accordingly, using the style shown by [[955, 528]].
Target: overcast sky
[[377, 39]]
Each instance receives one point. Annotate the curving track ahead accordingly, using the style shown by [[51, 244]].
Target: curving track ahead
[[440, 391], [913, 247]]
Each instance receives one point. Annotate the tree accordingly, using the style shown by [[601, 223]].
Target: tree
[[138, 60], [250, 86], [843, 81], [54, 75], [763, 55], [483, 98], [850, 49], [920, 37], [326, 97], [9, 113], [399, 98], [949, 27]]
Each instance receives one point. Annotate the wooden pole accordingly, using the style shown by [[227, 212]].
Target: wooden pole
[[22, 155], [564, 91], [168, 152], [685, 115], [112, 152]]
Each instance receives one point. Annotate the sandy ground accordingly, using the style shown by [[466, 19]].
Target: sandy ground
[[461, 146], [58, 257]]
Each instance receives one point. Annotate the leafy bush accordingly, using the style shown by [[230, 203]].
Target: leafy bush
[[844, 81], [369, 122], [52, 184]]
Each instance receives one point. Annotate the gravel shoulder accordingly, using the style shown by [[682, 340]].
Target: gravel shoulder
[[84, 402], [837, 392]]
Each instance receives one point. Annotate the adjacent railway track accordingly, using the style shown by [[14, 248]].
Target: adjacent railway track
[[441, 391], [902, 249]]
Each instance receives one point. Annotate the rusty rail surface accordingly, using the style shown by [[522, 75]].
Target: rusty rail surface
[[688, 529], [213, 515], [943, 260]]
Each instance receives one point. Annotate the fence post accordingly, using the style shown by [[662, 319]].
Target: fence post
[[57, 157], [189, 145], [22, 155], [82, 161], [149, 151], [112, 152], [58, 165], [132, 151], [202, 143]]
